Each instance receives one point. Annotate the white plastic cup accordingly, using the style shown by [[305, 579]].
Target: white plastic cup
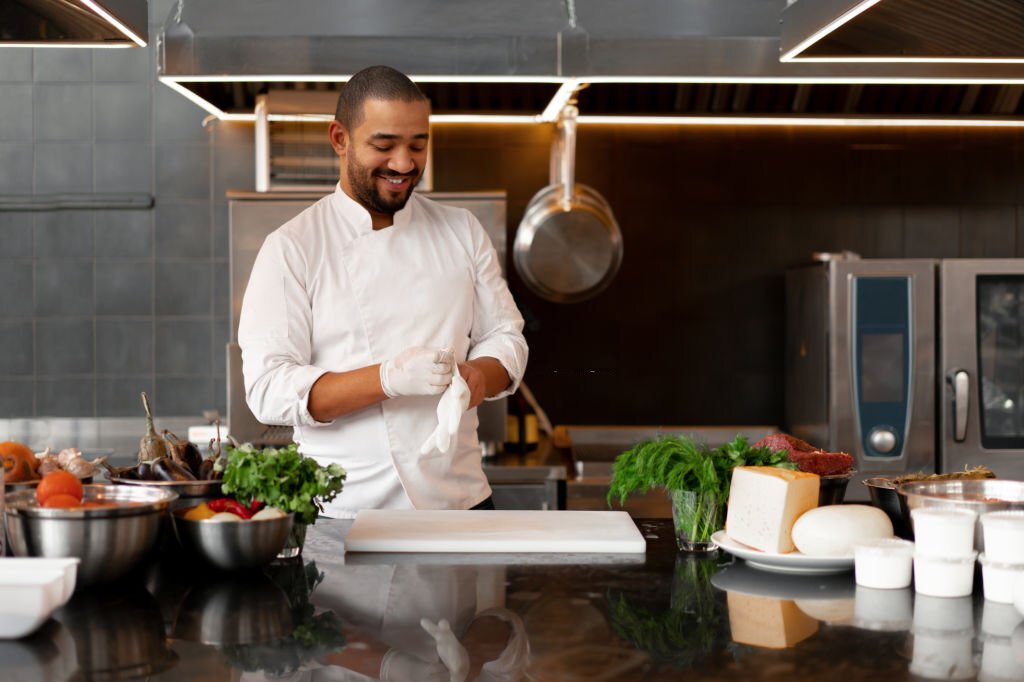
[[943, 656], [999, 579], [1004, 536], [937, 614], [940, 532], [944, 576], [884, 610], [883, 563], [998, 660], [999, 620]]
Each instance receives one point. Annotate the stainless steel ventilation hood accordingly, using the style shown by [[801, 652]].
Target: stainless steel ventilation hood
[[519, 58], [74, 23], [903, 30]]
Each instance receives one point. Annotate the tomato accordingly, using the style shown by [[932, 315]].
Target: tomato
[[20, 464], [59, 483], [61, 501]]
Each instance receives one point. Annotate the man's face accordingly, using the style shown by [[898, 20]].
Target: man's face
[[383, 157]]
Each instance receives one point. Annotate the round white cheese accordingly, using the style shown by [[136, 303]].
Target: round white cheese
[[835, 529]]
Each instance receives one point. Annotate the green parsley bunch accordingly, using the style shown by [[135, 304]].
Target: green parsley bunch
[[282, 478]]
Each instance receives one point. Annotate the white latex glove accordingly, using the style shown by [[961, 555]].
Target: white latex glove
[[416, 371], [449, 413], [449, 649], [398, 666]]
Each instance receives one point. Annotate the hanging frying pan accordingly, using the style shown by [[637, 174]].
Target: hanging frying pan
[[568, 246]]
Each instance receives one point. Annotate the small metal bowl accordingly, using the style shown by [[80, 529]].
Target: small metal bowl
[[978, 495], [884, 496], [110, 541], [832, 489], [233, 546]]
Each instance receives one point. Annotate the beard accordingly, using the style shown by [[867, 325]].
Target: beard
[[364, 186]]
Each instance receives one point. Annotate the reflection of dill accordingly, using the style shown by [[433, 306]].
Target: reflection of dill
[[684, 634]]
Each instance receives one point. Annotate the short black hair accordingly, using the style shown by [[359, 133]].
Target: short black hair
[[374, 82]]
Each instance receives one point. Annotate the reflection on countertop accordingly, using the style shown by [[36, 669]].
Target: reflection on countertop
[[664, 616]]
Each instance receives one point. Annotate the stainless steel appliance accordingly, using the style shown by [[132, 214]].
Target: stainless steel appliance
[[254, 215], [908, 365], [981, 413]]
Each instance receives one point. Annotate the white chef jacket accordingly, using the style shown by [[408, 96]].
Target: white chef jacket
[[329, 293]]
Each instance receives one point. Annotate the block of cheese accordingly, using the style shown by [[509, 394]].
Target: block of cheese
[[767, 622], [765, 502]]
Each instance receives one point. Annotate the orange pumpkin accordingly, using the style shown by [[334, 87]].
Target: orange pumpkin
[[20, 464]]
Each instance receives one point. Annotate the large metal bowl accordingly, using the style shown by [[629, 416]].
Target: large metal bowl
[[109, 541], [204, 488], [980, 496], [233, 546]]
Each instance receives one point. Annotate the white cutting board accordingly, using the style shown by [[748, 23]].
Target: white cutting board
[[383, 530]]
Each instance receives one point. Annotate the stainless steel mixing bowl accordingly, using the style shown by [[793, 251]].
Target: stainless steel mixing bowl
[[110, 541], [978, 495], [233, 546]]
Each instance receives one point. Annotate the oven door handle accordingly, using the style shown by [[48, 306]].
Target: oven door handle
[[960, 382]]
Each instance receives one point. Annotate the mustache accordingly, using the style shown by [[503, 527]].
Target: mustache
[[394, 174]]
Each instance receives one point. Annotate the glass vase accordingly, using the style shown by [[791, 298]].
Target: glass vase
[[293, 545], [696, 516]]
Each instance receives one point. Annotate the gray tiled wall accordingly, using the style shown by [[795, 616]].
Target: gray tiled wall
[[97, 305]]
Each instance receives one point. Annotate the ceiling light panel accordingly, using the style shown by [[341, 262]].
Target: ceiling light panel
[[903, 31]]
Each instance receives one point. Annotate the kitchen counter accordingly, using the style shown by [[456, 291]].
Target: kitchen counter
[[662, 616]]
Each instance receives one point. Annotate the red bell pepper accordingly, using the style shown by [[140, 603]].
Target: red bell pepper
[[226, 504]]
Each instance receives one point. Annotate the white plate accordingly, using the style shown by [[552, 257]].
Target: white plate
[[793, 562]]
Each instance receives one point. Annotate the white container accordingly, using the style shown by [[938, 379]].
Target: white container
[[944, 532], [885, 610], [883, 563], [941, 656], [999, 620], [943, 615], [1004, 536], [28, 599], [998, 579], [998, 661], [944, 576], [67, 568]]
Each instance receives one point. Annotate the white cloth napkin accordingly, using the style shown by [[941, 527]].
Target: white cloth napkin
[[450, 408]]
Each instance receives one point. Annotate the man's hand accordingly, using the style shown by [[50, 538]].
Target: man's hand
[[398, 666], [476, 381], [417, 371], [452, 654]]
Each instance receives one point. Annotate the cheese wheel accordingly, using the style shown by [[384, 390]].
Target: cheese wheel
[[835, 529]]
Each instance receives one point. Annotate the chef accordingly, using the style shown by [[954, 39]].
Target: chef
[[377, 320]]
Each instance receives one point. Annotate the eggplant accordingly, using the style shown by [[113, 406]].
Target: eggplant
[[184, 453], [167, 469]]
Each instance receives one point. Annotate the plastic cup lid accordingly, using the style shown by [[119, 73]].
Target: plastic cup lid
[[884, 547]]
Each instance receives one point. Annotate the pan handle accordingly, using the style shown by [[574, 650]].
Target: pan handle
[[567, 124]]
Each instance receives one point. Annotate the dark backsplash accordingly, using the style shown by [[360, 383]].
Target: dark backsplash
[[691, 329]]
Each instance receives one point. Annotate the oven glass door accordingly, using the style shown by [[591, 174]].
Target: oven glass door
[[1000, 332], [981, 413]]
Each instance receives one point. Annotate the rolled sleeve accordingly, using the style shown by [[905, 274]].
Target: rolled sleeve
[[274, 332], [497, 323]]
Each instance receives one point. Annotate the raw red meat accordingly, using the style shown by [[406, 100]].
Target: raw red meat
[[807, 457]]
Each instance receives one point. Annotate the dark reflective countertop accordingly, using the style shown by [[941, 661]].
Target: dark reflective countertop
[[659, 616]]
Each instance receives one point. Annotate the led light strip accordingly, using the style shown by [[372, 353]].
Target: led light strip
[[800, 121], [570, 85], [911, 60], [846, 16], [114, 21], [91, 46]]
